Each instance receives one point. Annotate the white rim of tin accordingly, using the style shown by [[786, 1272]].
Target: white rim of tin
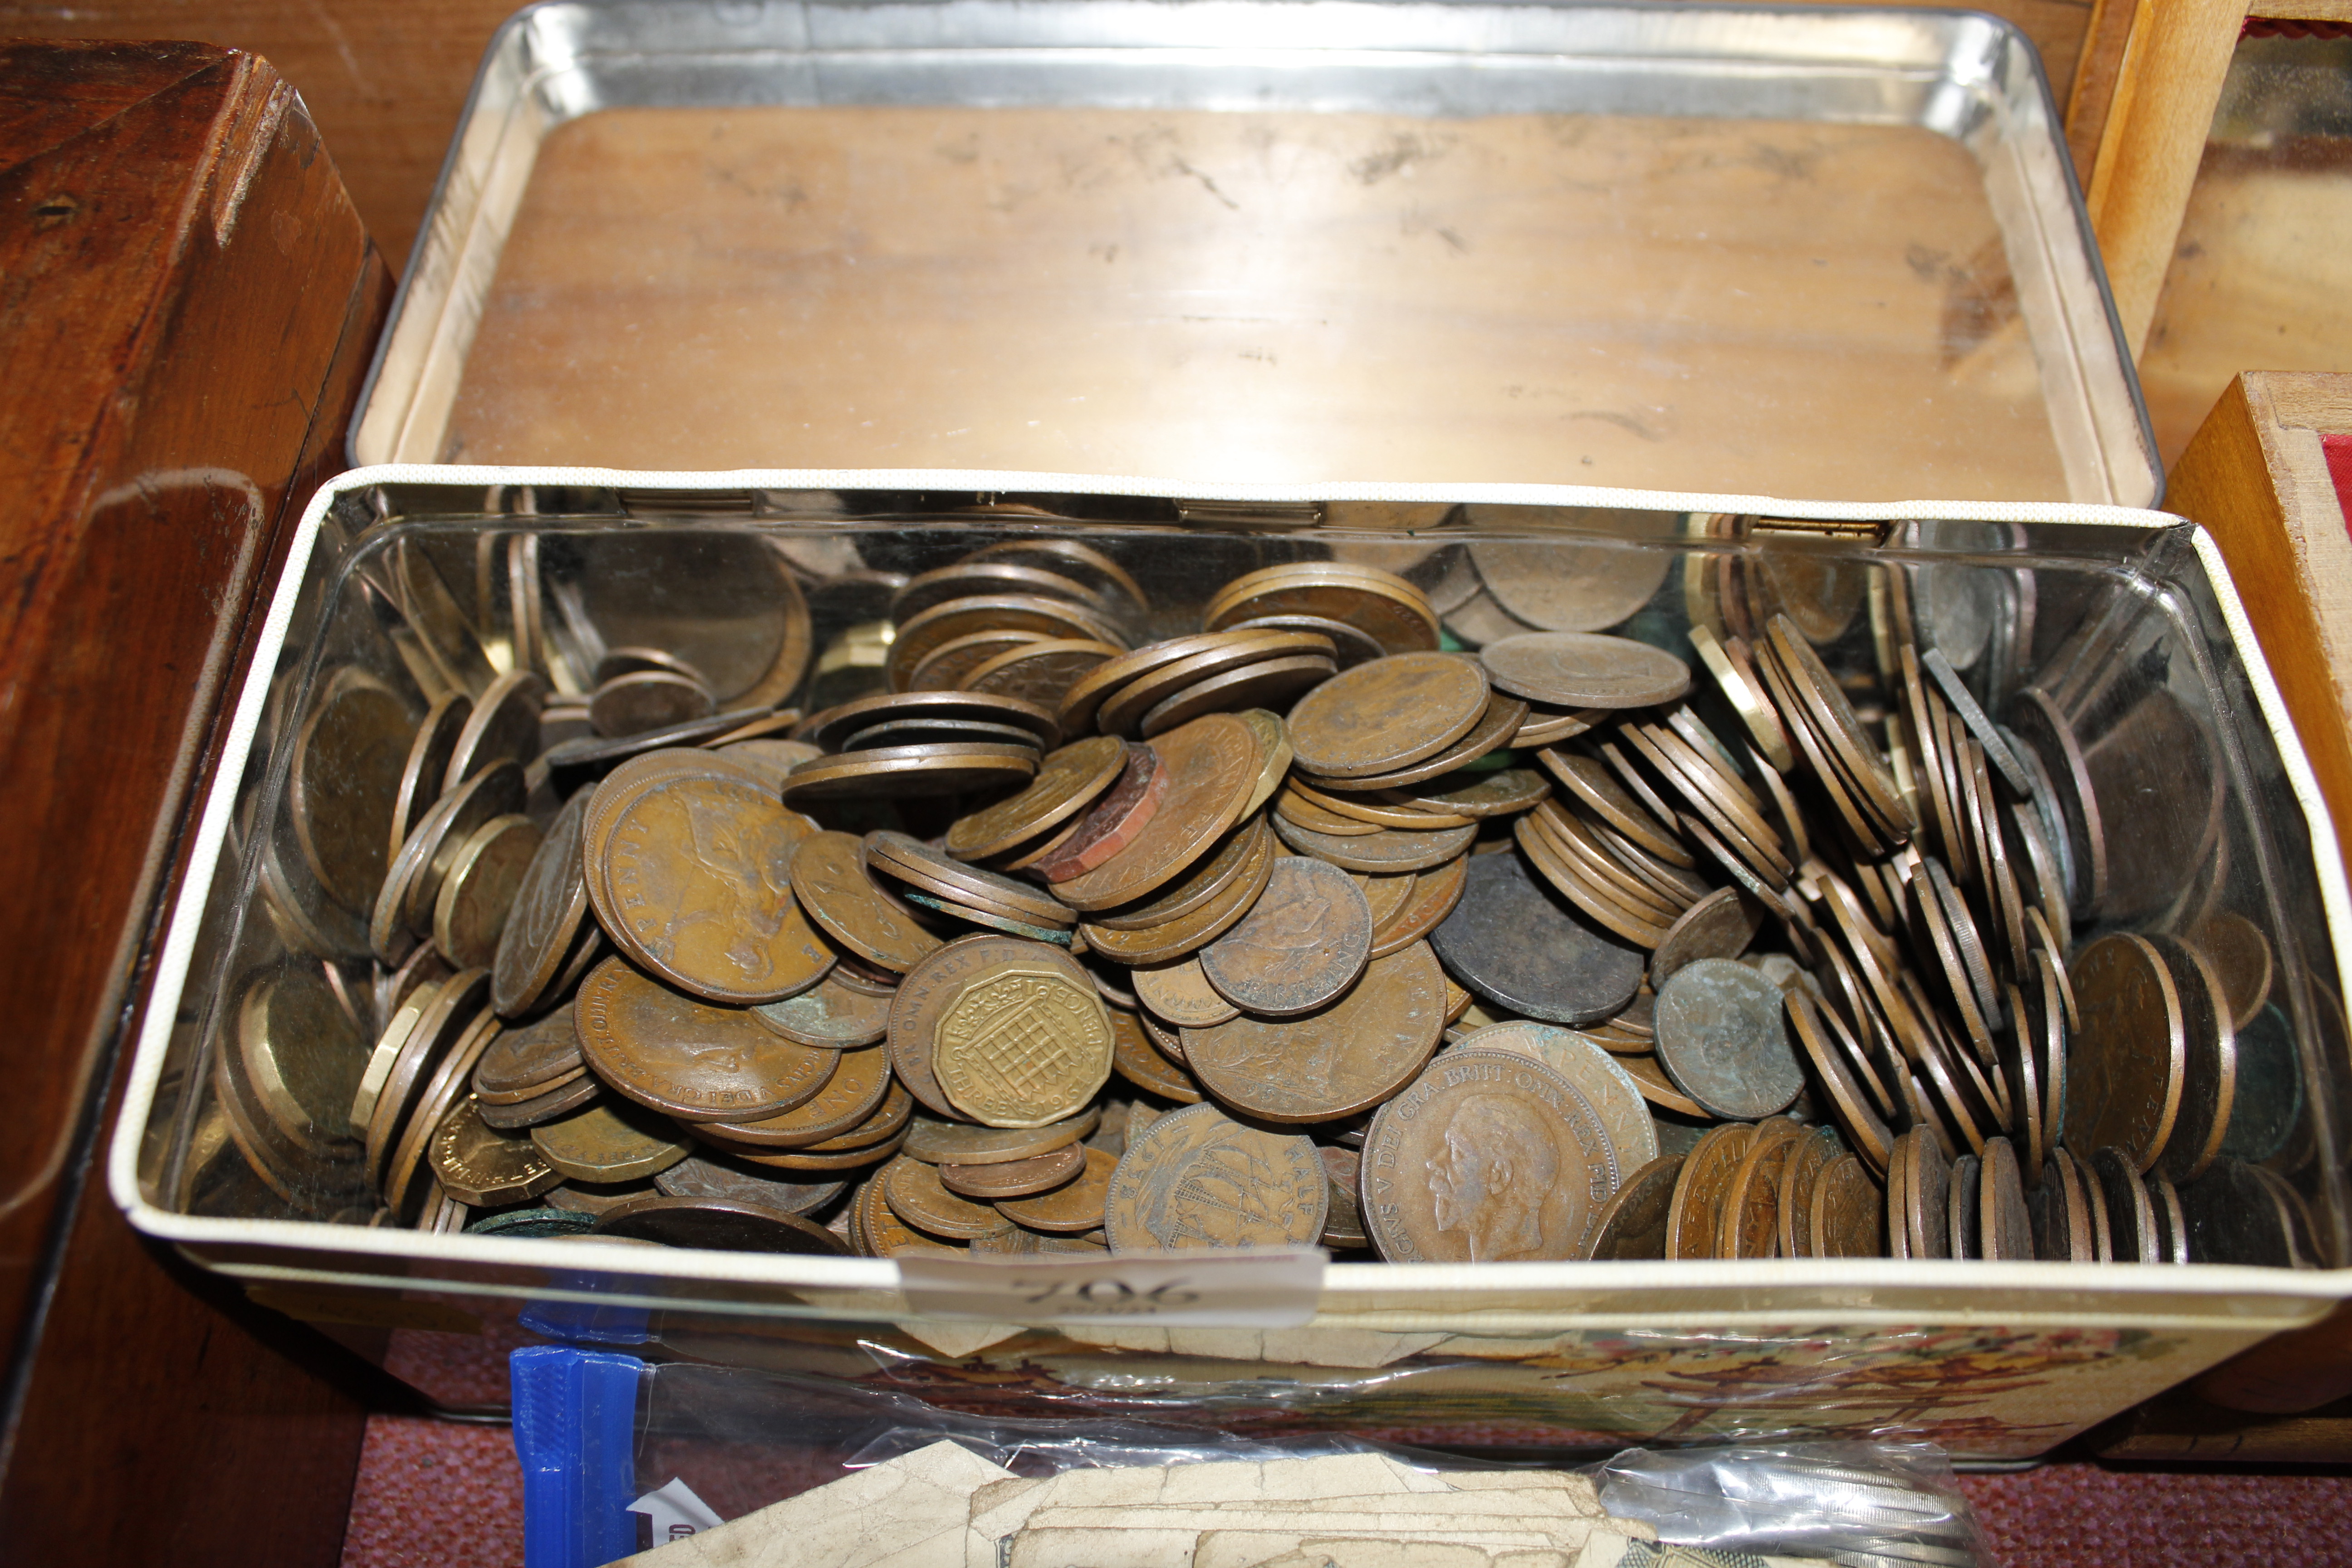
[[2207, 1296]]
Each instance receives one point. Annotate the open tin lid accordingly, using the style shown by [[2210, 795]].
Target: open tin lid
[[1835, 253]]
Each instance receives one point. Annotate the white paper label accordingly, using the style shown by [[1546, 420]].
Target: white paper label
[[1201, 1288], [675, 1512]]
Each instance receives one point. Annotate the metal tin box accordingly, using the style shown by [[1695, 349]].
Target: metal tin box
[[1834, 252], [2110, 609]]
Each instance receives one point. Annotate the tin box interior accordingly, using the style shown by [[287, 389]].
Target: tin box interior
[[1834, 252], [2124, 617]]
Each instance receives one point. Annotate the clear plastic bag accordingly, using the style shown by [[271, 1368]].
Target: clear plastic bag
[[1861, 1504]]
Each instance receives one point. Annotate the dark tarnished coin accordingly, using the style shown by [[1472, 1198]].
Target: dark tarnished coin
[[909, 860], [1343, 1227], [1515, 943], [912, 1190], [1387, 714], [1961, 1238], [838, 1014], [1695, 1216], [696, 885], [1066, 783], [1344, 1058], [479, 1165], [960, 1143], [1584, 669], [1749, 1225], [524, 1062], [2208, 1085], [1632, 1226], [549, 905], [2268, 1105], [1196, 1178], [714, 1177], [2131, 1217], [2056, 1213], [1928, 1181], [717, 1225], [1041, 671], [1563, 586], [503, 727], [852, 1101], [302, 1056], [2004, 1224], [2233, 1217], [580, 1197], [1719, 925], [687, 1059], [1722, 1038], [1847, 1212], [1014, 1178], [830, 879], [344, 784], [1076, 1206], [2125, 1062], [1024, 1040], [1302, 945], [1488, 1156], [647, 699], [611, 1141], [2241, 956]]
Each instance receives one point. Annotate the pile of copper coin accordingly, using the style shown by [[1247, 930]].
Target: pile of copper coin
[[1478, 910]]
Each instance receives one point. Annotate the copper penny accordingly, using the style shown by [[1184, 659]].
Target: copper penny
[[831, 881], [912, 1190], [1610, 1091], [1812, 1154], [1488, 1156], [960, 1143], [1182, 993], [1435, 894], [1215, 876], [910, 861], [1085, 695], [550, 903], [1597, 791], [1720, 925], [687, 1059], [2208, 1085], [1303, 944], [2005, 1225], [1189, 932], [1015, 1178], [1059, 619], [2126, 1060], [503, 727], [1043, 671], [1491, 732], [1066, 783], [1274, 682], [1342, 1059], [1212, 765], [1695, 1218], [1584, 669], [1749, 1223], [576, 1092], [1847, 1211], [1196, 1178], [1570, 587], [1078, 1204], [1387, 714], [1134, 1058], [1122, 713], [530, 1060], [696, 886], [428, 759], [1384, 606], [933, 984], [1632, 1226], [945, 668], [1113, 821], [343, 786], [849, 1101]]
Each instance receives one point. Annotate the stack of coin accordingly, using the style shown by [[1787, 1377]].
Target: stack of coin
[[1314, 932], [642, 689]]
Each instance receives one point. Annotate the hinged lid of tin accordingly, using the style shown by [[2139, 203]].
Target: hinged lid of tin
[[1835, 253]]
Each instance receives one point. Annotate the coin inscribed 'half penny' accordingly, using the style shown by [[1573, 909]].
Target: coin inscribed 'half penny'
[[1198, 1178], [699, 871], [1302, 943], [1487, 1157], [1025, 1043]]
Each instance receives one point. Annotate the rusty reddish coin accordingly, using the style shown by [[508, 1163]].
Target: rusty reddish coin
[[1212, 766], [1112, 822]]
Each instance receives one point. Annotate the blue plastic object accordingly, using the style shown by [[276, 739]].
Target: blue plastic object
[[575, 1419]]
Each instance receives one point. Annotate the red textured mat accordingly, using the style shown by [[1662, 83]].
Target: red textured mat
[[437, 1495]]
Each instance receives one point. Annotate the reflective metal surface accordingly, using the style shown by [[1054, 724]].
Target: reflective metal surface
[[1833, 253]]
